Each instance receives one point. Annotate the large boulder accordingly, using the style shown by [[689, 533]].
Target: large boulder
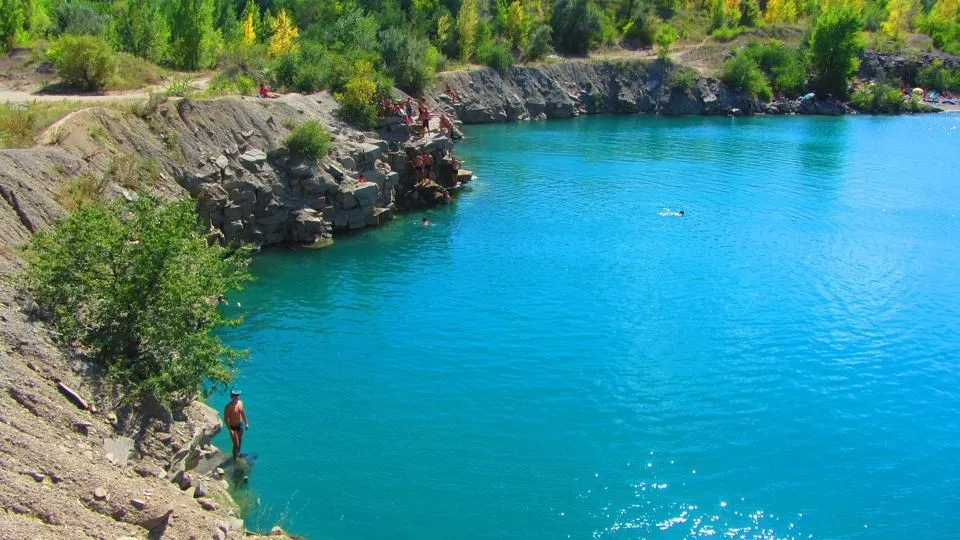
[[367, 193]]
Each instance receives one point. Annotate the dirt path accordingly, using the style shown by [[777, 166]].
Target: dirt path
[[23, 96]]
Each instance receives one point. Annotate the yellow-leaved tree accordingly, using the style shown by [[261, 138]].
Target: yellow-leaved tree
[[284, 39], [467, 21], [249, 30], [948, 9], [780, 11], [518, 26], [900, 17]]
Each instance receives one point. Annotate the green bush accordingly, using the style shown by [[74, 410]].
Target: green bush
[[136, 283], [725, 33], [643, 23], [224, 85], [742, 73], [538, 44], [79, 17], [683, 79], [358, 98], [750, 15], [944, 33], [83, 62], [877, 98], [576, 25], [938, 77], [834, 44], [11, 23], [309, 139], [665, 38], [411, 61], [496, 55], [785, 67]]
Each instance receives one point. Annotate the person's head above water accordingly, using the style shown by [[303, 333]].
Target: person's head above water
[[680, 213], [424, 220]]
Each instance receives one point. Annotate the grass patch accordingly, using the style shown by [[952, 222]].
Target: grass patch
[[133, 173], [84, 189], [20, 123], [97, 132], [134, 73]]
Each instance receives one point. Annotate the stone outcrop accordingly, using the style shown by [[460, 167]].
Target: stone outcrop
[[572, 88], [899, 66], [228, 155]]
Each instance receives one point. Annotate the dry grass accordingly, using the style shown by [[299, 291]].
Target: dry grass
[[135, 73], [21, 123]]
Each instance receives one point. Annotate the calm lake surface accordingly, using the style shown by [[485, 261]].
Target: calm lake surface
[[558, 357]]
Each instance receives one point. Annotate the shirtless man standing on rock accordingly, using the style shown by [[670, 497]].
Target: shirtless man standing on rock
[[236, 419]]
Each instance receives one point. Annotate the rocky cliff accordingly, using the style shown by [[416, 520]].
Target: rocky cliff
[[572, 88], [72, 465]]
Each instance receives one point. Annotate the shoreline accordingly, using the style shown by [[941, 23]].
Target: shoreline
[[587, 87]]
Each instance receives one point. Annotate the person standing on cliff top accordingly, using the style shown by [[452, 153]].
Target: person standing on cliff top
[[236, 419]]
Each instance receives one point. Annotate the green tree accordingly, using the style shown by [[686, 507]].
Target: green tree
[[749, 13], [136, 284], [834, 43], [665, 38], [517, 26], [576, 25], [83, 62], [900, 17], [743, 74], [79, 17], [11, 22], [140, 28], [468, 19], [194, 42], [406, 59]]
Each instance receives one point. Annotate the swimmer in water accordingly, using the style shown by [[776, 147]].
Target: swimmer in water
[[425, 222], [680, 213]]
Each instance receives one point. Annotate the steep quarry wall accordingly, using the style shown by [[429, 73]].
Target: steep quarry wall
[[572, 88]]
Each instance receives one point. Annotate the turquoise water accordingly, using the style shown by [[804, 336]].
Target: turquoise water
[[556, 359]]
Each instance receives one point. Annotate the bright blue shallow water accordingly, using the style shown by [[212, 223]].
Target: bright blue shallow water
[[554, 359]]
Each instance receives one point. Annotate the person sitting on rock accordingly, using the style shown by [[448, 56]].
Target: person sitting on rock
[[264, 92], [449, 92]]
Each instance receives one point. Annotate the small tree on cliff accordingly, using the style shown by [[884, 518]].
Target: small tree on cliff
[[136, 284], [834, 44]]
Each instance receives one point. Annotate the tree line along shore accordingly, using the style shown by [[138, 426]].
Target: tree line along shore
[[360, 50]]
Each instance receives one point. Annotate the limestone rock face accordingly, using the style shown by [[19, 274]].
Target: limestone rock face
[[572, 88]]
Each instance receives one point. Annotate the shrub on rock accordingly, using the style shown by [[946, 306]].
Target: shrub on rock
[[135, 284], [742, 73], [83, 62], [309, 139]]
